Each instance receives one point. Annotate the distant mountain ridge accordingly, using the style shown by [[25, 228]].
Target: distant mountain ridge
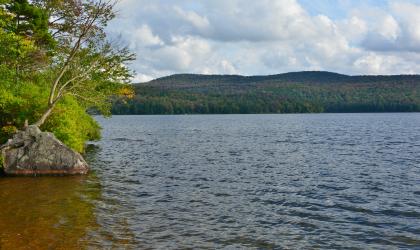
[[295, 92], [298, 77]]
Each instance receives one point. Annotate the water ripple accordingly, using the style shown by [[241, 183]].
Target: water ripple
[[262, 181]]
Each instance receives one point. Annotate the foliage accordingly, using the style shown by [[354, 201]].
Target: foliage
[[24, 36], [304, 92], [72, 125], [69, 122], [29, 20], [85, 64], [8, 130], [56, 64]]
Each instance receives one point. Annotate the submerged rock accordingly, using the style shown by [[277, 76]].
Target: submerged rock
[[32, 152]]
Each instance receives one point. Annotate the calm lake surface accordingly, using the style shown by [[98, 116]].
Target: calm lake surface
[[328, 181]]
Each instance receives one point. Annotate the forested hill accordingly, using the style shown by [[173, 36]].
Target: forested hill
[[306, 77], [298, 92]]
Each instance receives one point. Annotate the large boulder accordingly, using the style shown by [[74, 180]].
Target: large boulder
[[32, 152]]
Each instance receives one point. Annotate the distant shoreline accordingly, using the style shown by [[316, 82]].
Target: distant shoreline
[[324, 113], [299, 92]]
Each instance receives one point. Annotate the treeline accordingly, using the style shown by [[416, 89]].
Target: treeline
[[304, 92]]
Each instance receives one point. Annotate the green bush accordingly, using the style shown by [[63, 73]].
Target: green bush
[[40, 73], [69, 122], [72, 125]]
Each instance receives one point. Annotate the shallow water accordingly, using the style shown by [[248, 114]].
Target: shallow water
[[230, 181]]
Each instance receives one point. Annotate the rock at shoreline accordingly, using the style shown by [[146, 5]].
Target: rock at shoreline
[[32, 152]]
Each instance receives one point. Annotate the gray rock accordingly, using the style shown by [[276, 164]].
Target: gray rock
[[32, 152]]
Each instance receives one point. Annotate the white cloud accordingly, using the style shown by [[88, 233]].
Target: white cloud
[[354, 29], [145, 37], [142, 78], [199, 22], [408, 14], [389, 28], [267, 37]]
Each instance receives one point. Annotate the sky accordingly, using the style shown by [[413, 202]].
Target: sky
[[262, 37]]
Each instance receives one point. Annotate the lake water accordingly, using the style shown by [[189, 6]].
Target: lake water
[[328, 181]]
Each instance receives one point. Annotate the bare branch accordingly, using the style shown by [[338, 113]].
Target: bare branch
[[86, 64], [89, 25], [81, 76]]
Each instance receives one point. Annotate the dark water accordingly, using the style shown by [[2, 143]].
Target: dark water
[[328, 181]]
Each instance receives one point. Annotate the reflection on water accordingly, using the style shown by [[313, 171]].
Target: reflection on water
[[336, 181], [47, 212], [57, 213], [316, 181]]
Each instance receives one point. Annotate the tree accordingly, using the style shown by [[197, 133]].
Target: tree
[[85, 64], [17, 50], [27, 25], [80, 70]]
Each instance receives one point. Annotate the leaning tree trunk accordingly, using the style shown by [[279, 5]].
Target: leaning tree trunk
[[44, 117]]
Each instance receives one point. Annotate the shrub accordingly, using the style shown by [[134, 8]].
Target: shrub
[[69, 122], [72, 125]]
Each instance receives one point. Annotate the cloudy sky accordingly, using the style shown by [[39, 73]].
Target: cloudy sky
[[258, 37]]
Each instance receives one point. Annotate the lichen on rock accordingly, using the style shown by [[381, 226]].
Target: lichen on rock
[[32, 152]]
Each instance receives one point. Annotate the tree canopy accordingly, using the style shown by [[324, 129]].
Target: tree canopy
[[56, 63]]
